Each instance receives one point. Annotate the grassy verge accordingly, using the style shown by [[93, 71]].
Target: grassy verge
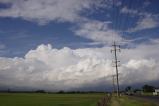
[[15, 99], [147, 94], [114, 101], [128, 101]]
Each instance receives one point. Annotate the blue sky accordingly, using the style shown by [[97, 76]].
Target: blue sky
[[65, 41], [21, 33]]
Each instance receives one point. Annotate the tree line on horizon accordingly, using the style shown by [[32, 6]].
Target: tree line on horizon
[[144, 88]]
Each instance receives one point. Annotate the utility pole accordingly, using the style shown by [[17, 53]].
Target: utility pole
[[114, 50], [113, 76]]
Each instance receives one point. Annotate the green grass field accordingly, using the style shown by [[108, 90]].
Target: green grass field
[[24, 99]]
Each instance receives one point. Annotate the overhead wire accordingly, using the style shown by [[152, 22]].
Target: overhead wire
[[113, 19]]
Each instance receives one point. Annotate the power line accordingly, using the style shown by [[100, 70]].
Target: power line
[[114, 50]]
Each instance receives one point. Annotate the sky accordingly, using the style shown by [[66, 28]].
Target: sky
[[65, 44]]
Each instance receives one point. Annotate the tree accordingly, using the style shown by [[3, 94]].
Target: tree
[[40, 91], [61, 92], [148, 88], [128, 88]]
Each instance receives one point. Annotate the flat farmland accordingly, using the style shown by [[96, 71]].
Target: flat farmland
[[37, 99]]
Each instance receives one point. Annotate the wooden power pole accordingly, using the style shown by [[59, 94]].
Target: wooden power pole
[[113, 76], [114, 50]]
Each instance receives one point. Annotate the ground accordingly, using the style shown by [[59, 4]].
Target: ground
[[44, 99], [132, 101], [30, 99]]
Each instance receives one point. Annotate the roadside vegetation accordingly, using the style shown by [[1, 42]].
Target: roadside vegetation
[[128, 101]]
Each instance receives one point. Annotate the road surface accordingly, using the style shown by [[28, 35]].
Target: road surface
[[154, 99]]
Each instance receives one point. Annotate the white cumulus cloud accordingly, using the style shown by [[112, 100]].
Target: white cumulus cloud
[[54, 69]]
